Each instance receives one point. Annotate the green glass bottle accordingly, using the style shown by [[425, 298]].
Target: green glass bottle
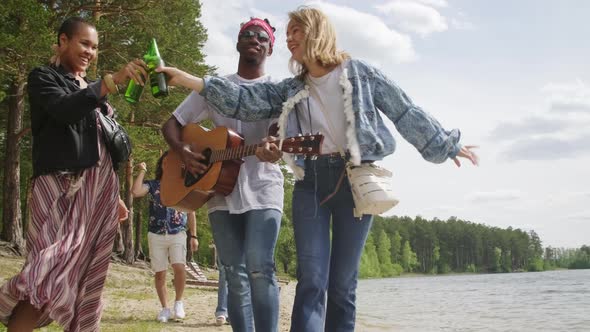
[[133, 92], [157, 80]]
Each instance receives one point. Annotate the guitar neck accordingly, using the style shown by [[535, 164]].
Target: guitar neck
[[234, 153]]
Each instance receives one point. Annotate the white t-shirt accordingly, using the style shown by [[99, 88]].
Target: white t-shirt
[[259, 184], [329, 89]]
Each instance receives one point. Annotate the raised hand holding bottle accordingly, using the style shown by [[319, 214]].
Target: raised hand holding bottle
[[158, 84], [157, 80]]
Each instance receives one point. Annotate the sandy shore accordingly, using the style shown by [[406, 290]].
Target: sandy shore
[[131, 304]]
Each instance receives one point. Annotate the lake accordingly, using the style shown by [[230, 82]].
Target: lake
[[533, 301]]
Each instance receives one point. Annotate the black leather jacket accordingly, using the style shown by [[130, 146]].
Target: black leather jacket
[[63, 121]]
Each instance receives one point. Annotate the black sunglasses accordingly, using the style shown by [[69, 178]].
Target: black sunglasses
[[262, 36]]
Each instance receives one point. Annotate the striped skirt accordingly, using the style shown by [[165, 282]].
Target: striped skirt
[[69, 243]]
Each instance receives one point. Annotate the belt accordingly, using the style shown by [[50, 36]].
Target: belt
[[331, 155]]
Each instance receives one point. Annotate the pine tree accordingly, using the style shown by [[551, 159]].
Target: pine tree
[[384, 255]]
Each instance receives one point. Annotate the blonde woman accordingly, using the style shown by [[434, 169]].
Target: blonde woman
[[344, 99]]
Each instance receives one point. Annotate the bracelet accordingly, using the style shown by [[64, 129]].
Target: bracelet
[[110, 83], [193, 237]]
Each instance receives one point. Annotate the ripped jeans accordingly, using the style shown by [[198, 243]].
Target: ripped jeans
[[245, 245], [329, 242]]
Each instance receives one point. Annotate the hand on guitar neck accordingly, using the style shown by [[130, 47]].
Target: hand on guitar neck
[[270, 152]]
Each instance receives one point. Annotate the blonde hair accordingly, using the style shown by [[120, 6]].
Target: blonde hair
[[320, 40]]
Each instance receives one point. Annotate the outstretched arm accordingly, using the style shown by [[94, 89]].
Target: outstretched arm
[[140, 189], [467, 153], [246, 102], [178, 77]]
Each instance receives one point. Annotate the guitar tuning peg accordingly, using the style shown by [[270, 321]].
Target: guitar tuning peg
[[308, 134], [290, 149], [309, 149], [302, 138], [292, 139], [312, 138], [300, 149]]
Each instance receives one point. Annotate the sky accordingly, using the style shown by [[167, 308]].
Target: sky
[[513, 76]]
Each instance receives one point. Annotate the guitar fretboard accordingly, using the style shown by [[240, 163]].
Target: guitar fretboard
[[234, 153]]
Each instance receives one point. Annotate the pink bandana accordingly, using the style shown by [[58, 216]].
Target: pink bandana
[[263, 25]]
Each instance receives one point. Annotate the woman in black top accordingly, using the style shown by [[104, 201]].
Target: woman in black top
[[75, 204]]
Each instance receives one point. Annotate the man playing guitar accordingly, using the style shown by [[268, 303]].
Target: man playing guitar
[[246, 222]]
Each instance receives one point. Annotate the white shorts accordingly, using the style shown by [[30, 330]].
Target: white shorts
[[164, 246]]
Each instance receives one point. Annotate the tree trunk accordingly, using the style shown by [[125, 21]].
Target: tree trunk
[[126, 226], [118, 244], [12, 230]]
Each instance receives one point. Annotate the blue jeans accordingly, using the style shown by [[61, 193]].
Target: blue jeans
[[324, 268], [221, 309], [245, 244]]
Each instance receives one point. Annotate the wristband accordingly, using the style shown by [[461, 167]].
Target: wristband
[[193, 237], [110, 83]]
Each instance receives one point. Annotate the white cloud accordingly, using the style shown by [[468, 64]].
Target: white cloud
[[367, 35], [559, 132], [416, 17], [530, 126], [571, 97], [220, 46], [498, 196], [434, 3], [547, 148], [222, 20], [579, 217], [461, 22]]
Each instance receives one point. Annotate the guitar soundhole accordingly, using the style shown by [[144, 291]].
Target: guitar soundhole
[[190, 179]]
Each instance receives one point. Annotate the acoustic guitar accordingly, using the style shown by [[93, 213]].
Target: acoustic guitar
[[223, 150]]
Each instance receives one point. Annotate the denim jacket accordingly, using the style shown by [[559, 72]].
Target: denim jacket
[[365, 90]]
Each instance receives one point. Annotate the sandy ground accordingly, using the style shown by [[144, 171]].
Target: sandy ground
[[131, 303]]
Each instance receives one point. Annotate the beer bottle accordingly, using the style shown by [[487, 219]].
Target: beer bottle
[[157, 80], [158, 83], [133, 91]]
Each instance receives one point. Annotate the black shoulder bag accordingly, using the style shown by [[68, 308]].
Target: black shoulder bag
[[116, 139]]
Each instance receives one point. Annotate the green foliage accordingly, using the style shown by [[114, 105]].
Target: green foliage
[[567, 258], [285, 249], [384, 255], [581, 259], [409, 258], [396, 247], [535, 265], [369, 267], [497, 262], [25, 37], [444, 268]]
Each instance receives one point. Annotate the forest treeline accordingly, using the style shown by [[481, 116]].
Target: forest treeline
[[395, 244], [403, 244]]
